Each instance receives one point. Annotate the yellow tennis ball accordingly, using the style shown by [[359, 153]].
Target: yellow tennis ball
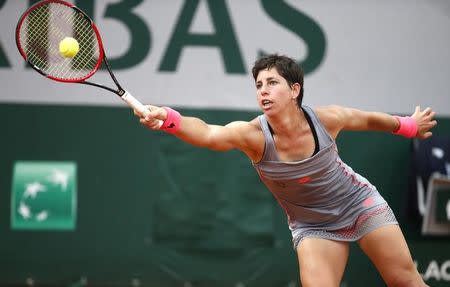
[[69, 47]]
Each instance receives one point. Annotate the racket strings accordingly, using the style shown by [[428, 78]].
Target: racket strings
[[37, 50], [45, 27], [85, 59]]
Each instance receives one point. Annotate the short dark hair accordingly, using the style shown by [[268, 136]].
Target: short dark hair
[[285, 66]]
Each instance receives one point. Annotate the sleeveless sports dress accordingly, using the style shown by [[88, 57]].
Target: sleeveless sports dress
[[321, 195]]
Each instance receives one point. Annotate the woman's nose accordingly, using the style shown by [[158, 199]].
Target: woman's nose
[[264, 90]]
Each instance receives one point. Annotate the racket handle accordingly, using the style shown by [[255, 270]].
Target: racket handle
[[136, 105]]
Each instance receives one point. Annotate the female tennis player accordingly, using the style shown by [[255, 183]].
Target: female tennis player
[[293, 149]]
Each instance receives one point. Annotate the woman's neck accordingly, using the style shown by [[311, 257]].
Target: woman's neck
[[288, 121]]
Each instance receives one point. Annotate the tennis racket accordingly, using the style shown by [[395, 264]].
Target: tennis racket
[[38, 35]]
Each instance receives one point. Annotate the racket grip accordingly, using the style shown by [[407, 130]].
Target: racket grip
[[137, 105]]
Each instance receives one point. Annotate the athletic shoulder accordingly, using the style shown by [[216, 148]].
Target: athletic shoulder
[[329, 114], [331, 117], [252, 138]]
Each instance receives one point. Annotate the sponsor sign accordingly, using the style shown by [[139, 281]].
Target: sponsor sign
[[199, 54], [44, 195]]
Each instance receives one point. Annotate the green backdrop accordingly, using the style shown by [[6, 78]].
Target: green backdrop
[[153, 211]]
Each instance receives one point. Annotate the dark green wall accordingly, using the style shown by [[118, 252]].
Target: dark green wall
[[155, 209]]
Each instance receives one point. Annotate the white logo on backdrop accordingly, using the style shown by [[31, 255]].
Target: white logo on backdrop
[[34, 189]]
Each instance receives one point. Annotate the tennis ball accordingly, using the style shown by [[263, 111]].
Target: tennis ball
[[69, 47]]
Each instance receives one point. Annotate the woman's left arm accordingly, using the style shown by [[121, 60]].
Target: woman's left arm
[[337, 118]]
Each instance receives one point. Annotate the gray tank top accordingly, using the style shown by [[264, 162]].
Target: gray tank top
[[320, 192]]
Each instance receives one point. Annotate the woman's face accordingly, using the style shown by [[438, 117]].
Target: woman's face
[[273, 91]]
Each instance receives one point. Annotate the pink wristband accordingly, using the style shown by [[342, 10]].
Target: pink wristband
[[172, 122], [408, 127]]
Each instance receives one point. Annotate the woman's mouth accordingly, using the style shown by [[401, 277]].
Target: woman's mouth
[[266, 104]]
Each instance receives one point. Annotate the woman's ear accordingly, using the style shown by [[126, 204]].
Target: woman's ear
[[295, 90]]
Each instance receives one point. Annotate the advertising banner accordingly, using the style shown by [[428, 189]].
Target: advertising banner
[[376, 55]]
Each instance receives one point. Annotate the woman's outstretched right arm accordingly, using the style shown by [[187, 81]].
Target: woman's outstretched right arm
[[197, 132]]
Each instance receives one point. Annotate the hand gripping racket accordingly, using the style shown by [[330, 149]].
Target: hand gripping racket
[[39, 33]]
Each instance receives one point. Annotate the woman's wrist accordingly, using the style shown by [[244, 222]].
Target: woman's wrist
[[173, 121], [407, 128]]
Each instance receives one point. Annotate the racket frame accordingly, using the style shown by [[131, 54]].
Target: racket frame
[[123, 94], [101, 56]]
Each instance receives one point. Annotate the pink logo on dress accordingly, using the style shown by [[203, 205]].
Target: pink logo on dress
[[305, 179], [368, 202]]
